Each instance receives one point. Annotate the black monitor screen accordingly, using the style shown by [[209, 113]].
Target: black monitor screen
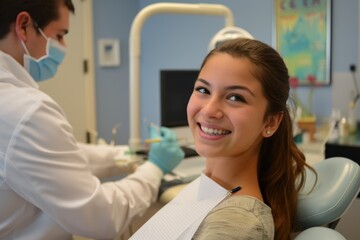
[[176, 87]]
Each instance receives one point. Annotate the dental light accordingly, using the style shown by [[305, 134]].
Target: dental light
[[134, 50], [228, 33]]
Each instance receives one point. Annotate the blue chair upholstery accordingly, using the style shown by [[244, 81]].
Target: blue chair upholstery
[[320, 207], [337, 186], [320, 233]]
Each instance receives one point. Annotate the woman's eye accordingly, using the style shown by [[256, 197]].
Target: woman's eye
[[202, 90], [237, 98]]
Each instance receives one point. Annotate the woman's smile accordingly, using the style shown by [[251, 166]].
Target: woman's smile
[[213, 131]]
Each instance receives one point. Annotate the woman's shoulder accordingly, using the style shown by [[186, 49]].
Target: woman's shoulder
[[238, 217], [244, 202], [246, 208]]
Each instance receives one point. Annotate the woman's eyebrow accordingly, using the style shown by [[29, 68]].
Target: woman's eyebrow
[[235, 87], [203, 81]]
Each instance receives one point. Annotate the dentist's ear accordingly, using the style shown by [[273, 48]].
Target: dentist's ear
[[23, 20], [272, 123]]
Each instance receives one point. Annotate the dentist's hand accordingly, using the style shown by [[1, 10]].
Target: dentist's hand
[[167, 153]]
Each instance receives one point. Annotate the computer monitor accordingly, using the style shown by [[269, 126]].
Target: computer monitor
[[176, 87]]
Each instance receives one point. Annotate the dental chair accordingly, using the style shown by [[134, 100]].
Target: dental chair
[[320, 207]]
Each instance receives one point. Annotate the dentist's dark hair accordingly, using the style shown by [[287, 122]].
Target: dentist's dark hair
[[281, 165], [42, 11]]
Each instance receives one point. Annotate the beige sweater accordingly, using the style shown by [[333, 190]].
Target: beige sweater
[[238, 217]]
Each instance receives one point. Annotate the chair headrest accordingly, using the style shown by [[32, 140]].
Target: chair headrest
[[337, 186], [320, 233]]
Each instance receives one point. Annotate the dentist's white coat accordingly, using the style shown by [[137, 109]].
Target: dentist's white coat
[[48, 188]]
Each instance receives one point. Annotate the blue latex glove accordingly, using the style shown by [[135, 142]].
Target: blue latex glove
[[167, 153]]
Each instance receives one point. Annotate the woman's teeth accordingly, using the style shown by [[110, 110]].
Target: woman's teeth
[[213, 131]]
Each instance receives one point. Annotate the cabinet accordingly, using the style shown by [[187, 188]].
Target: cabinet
[[348, 147]]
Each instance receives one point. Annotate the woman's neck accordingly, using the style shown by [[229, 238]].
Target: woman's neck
[[233, 172]]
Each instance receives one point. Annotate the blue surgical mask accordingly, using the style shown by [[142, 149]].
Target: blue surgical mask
[[45, 67]]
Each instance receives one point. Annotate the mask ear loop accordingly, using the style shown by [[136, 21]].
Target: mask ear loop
[[40, 30], [42, 34], [49, 39], [25, 48]]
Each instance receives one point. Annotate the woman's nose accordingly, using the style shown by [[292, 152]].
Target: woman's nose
[[213, 109]]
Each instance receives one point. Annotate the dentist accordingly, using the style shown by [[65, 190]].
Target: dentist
[[49, 186]]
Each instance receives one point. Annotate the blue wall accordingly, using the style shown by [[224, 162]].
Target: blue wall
[[181, 42], [112, 19]]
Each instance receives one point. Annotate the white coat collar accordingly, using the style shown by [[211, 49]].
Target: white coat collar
[[8, 65]]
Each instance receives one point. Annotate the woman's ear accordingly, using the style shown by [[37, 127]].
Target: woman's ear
[[23, 20], [272, 123]]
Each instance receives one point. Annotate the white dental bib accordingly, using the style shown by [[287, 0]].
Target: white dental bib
[[181, 217]]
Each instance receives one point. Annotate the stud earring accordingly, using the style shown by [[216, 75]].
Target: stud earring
[[268, 132]]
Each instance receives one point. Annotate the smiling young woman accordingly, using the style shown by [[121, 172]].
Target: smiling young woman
[[239, 118]]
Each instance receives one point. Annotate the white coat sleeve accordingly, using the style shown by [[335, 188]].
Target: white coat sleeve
[[52, 173], [101, 159]]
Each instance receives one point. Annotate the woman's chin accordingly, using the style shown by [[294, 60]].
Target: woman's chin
[[205, 151]]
